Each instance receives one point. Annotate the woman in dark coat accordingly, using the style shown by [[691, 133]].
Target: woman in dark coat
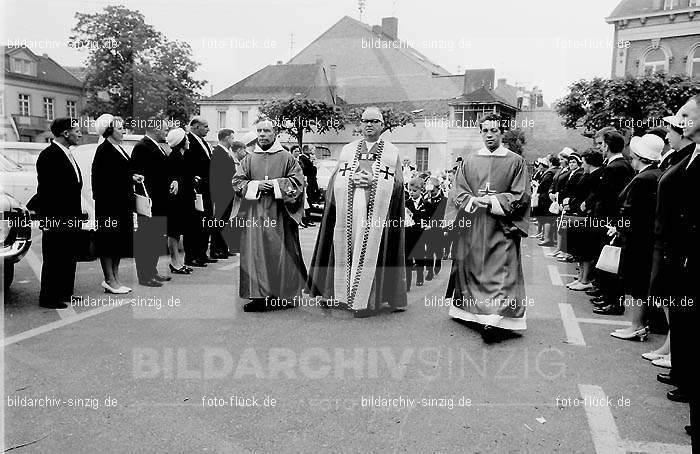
[[113, 192], [557, 185], [567, 195], [180, 204], [544, 202]]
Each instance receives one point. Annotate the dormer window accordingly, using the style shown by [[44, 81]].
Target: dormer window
[[670, 4], [21, 66]]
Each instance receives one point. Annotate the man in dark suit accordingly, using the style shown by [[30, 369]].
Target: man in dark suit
[[310, 172], [58, 203], [223, 167], [616, 174], [149, 160], [198, 159]]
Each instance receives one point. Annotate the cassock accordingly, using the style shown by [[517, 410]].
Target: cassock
[[489, 287], [271, 263], [359, 256]]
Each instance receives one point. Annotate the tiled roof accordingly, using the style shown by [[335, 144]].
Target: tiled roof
[[78, 72], [480, 95], [277, 82], [636, 8], [47, 70], [424, 108], [371, 67]]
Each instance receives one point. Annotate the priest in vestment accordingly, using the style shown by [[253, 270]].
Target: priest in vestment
[[268, 207], [491, 201], [359, 256]]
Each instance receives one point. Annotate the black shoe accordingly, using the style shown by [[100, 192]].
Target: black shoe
[[198, 263], [599, 303], [54, 305], [665, 379], [363, 313], [676, 395], [183, 270], [429, 276], [689, 430], [256, 305], [151, 283], [209, 260], [419, 283], [597, 300], [547, 243], [609, 310], [160, 278]]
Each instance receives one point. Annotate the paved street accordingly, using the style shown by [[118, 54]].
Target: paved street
[[199, 375]]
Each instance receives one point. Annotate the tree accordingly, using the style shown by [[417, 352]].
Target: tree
[[297, 116], [133, 70], [627, 103], [392, 120], [514, 140]]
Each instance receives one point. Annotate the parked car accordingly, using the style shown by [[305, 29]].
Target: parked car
[[15, 234], [17, 181], [325, 169]]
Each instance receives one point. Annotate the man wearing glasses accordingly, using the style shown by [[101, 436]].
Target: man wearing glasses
[[359, 258], [490, 195]]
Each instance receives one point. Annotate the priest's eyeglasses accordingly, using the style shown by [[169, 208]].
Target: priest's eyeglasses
[[371, 121]]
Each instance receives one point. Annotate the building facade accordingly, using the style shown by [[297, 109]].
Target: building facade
[[656, 35], [36, 90]]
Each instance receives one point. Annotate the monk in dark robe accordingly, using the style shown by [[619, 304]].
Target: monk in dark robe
[[268, 207], [359, 257], [490, 198]]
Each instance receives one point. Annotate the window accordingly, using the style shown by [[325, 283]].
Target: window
[[71, 109], [222, 119], [323, 153], [22, 66], [670, 4], [468, 116], [48, 108], [655, 61], [421, 159], [24, 105], [694, 62], [244, 119], [693, 3]]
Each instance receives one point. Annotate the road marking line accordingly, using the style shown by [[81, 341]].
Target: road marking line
[[606, 437], [554, 276], [34, 263], [601, 423], [574, 335], [57, 324], [604, 321]]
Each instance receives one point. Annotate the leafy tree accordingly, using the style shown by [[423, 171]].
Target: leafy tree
[[627, 103], [134, 71], [514, 140], [392, 120], [297, 116]]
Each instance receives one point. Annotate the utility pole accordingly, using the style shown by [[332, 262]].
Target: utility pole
[[361, 6], [291, 45]]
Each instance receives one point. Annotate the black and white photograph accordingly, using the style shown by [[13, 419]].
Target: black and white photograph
[[350, 226]]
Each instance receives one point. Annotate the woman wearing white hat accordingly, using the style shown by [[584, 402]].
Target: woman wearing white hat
[[113, 192], [181, 206], [638, 215]]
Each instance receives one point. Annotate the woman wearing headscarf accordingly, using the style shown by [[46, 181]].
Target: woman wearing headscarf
[[113, 191]]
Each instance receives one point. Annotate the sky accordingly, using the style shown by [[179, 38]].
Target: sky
[[548, 43]]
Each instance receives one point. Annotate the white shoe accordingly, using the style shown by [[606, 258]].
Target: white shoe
[[664, 361], [124, 287], [117, 291], [651, 356], [579, 286]]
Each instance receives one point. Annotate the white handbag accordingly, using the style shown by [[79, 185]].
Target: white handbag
[[609, 259], [198, 202], [143, 203]]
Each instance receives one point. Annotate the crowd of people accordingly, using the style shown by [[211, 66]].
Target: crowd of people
[[633, 197], [383, 221]]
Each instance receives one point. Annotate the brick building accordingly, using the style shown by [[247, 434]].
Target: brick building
[[656, 35]]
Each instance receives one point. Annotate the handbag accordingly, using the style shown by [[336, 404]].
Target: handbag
[[198, 202], [143, 203], [609, 259], [84, 244]]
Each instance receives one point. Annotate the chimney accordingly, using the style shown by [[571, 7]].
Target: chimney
[[390, 27], [501, 82], [334, 77]]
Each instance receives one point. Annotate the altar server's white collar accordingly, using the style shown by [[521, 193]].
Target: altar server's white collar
[[277, 146], [500, 151]]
